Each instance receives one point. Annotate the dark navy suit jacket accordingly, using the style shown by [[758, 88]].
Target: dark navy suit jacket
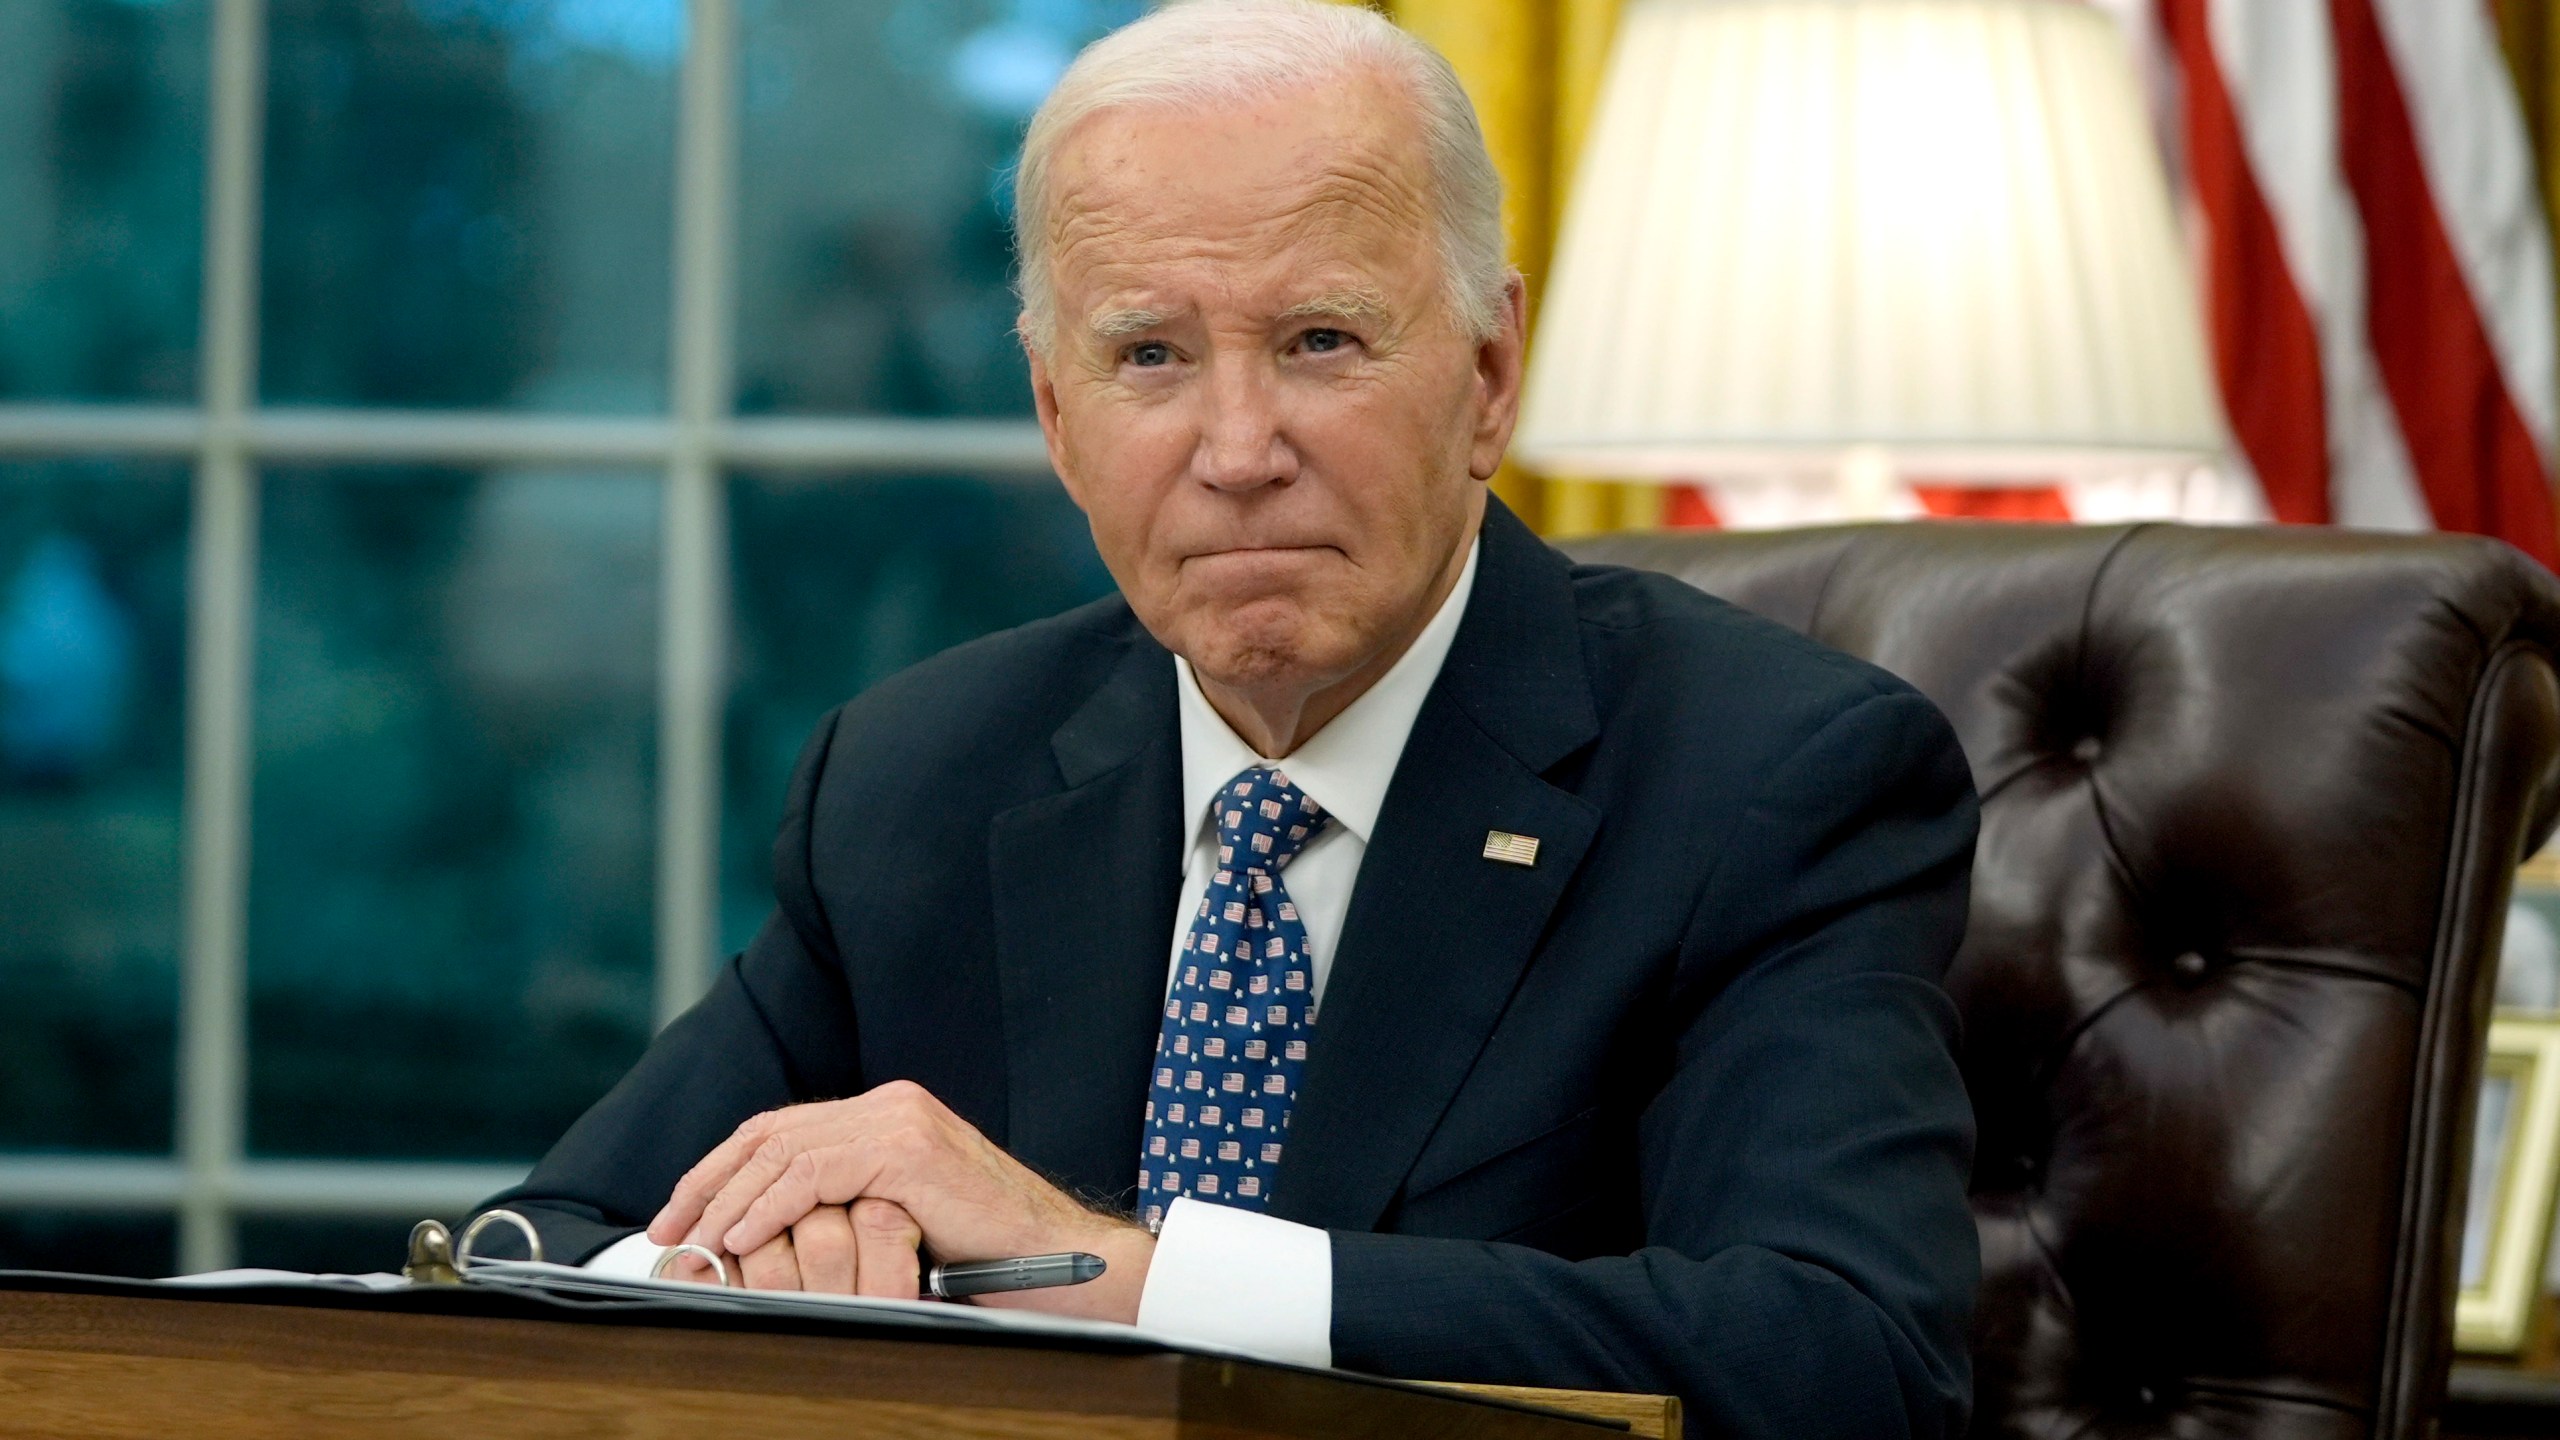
[[1674, 1110]]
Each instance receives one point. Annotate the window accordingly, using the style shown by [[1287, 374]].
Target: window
[[451, 452]]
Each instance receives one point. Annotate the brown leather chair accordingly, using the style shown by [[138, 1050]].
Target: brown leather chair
[[2252, 803]]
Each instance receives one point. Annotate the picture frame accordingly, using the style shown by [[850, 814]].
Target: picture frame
[[2515, 1176]]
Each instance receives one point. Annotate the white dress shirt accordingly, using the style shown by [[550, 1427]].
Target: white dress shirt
[[1222, 1276]]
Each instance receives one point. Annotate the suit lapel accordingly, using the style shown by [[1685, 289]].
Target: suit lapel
[[1085, 888], [1438, 935]]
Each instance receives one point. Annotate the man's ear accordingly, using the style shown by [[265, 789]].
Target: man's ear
[[1044, 403], [1500, 363]]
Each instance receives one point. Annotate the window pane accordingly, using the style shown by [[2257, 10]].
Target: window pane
[[841, 582], [449, 927], [878, 142], [330, 1245], [144, 1245], [467, 202], [101, 198], [93, 574]]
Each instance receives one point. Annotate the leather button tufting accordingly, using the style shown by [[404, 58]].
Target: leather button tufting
[[2230, 1177]]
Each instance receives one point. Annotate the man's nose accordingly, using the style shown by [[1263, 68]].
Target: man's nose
[[1242, 444]]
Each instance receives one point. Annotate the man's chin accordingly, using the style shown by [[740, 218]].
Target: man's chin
[[1266, 646], [1252, 665]]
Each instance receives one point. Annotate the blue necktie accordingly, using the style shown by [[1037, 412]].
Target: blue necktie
[[1239, 1014]]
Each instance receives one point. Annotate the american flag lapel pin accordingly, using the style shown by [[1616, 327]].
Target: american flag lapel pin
[[1510, 849]]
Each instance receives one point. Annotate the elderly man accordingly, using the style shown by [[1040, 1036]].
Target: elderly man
[[1383, 942]]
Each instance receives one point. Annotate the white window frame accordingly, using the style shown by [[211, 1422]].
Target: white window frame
[[210, 1183]]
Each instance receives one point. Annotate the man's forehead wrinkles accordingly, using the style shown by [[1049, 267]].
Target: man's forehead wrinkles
[[1154, 224], [1113, 190], [1109, 245], [1347, 180]]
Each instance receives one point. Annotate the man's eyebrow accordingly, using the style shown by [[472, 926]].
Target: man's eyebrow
[[1360, 304], [1112, 324]]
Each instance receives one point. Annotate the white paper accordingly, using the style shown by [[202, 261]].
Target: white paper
[[231, 1279], [568, 1280]]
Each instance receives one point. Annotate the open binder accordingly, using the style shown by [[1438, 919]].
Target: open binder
[[443, 1273], [438, 1257]]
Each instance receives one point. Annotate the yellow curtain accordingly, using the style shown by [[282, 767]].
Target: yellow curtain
[[1533, 69]]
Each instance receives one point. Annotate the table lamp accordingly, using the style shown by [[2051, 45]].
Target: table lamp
[[1846, 240]]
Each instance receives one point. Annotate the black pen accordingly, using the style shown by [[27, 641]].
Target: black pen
[[962, 1279]]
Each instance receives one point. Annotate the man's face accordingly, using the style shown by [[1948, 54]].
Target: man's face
[[1257, 393]]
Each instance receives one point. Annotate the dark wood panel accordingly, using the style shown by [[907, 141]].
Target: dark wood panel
[[2501, 1402], [288, 1338], [73, 1396], [128, 1367]]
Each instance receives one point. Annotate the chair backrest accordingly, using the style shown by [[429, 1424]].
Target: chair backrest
[[2252, 803]]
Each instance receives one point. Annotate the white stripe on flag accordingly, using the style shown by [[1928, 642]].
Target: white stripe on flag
[[2471, 135], [2279, 63]]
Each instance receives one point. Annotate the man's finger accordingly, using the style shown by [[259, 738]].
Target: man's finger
[[834, 1175], [771, 1161], [699, 1184], [746, 1164], [824, 1242], [886, 1237], [772, 1265]]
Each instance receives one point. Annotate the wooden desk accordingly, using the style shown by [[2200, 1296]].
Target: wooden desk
[[141, 1367]]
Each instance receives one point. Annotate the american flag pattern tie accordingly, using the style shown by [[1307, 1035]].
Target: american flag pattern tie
[[1239, 1014]]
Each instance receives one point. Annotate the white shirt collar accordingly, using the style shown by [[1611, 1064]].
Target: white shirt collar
[[1346, 766]]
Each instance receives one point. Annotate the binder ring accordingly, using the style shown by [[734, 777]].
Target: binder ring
[[463, 1259], [708, 1256]]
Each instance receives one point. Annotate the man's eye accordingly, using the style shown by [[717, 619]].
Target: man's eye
[[1323, 342], [1151, 353]]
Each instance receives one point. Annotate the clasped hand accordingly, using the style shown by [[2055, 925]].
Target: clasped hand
[[841, 1195]]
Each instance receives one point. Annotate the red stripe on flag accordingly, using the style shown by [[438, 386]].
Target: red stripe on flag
[[1993, 502], [1688, 508], [2468, 444], [2265, 347]]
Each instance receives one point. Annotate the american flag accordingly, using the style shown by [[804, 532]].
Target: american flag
[[2376, 271]]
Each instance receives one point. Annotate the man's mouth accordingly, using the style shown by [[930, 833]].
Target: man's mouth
[[1252, 550]]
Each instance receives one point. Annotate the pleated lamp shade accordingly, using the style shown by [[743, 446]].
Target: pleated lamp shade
[[1807, 229]]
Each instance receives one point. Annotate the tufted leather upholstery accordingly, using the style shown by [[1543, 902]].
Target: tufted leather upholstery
[[2252, 803]]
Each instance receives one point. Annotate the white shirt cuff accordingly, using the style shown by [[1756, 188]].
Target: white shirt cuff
[[630, 1258], [1241, 1280]]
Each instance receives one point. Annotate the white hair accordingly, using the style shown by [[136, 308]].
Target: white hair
[[1209, 52]]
